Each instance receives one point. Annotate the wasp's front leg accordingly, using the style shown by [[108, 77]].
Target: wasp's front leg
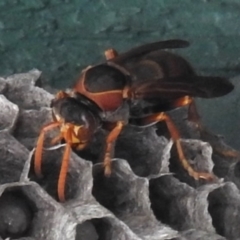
[[39, 147]]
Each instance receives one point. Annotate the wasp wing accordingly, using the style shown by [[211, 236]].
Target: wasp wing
[[175, 87], [144, 49]]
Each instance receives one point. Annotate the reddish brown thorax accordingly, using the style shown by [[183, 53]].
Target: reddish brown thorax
[[106, 100]]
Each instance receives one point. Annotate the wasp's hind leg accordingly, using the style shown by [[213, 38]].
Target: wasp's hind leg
[[194, 117], [157, 117]]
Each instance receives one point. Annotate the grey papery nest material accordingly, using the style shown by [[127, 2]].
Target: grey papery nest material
[[148, 196]]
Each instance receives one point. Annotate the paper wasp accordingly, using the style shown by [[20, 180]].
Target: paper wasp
[[148, 80]]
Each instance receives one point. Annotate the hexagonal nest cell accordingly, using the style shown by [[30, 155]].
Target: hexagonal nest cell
[[148, 196]]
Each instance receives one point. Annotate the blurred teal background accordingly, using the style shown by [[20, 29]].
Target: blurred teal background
[[61, 37]]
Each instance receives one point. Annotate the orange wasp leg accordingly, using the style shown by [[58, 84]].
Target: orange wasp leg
[[176, 138], [111, 138], [193, 116], [65, 165], [227, 153], [57, 139], [67, 132], [67, 135], [39, 147]]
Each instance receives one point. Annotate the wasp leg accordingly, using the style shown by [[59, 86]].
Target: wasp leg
[[111, 138], [80, 146], [57, 139], [176, 138], [193, 116], [70, 138], [39, 147], [64, 165], [227, 153]]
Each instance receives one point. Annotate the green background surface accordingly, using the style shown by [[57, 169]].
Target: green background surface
[[61, 37]]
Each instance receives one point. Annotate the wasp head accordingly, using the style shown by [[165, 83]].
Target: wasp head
[[69, 109]]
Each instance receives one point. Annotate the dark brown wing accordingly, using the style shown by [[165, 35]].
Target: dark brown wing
[[141, 50], [175, 87]]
